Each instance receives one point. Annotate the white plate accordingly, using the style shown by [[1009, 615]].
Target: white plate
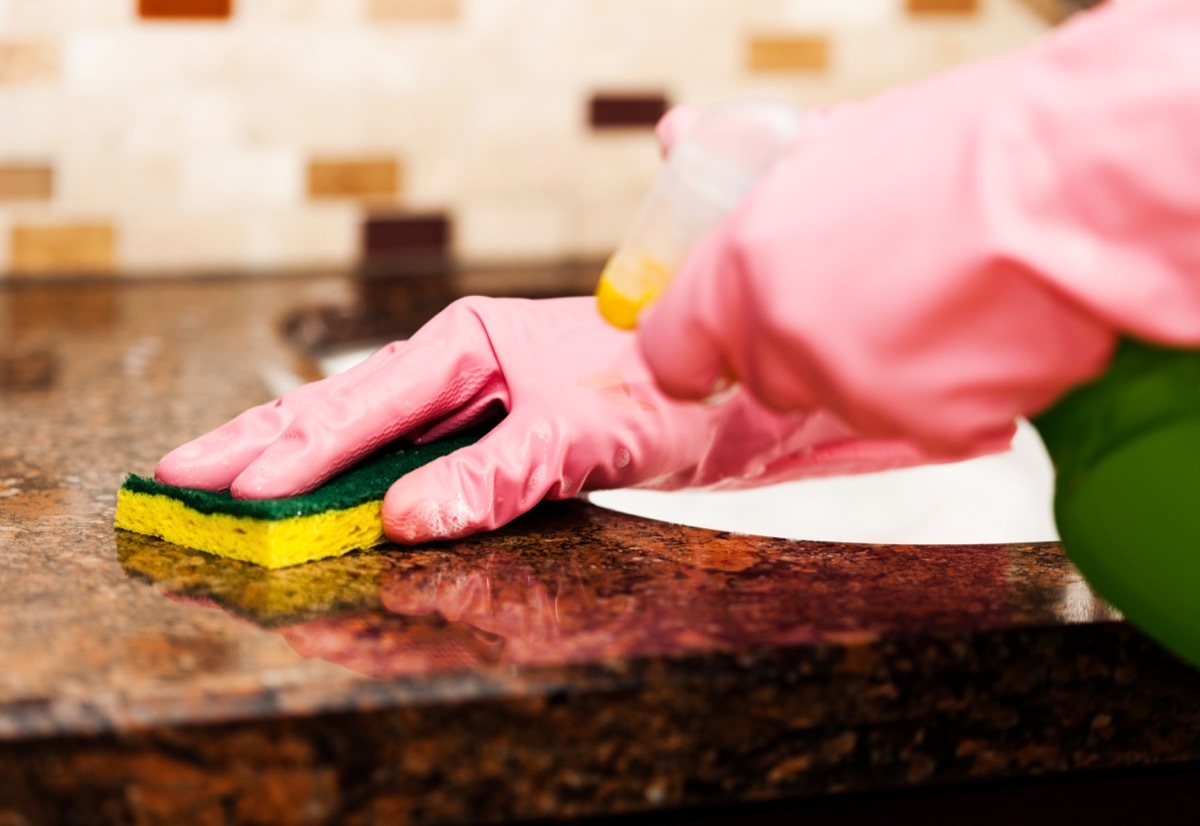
[[1007, 497]]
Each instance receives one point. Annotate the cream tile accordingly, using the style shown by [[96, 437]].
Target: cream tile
[[511, 229], [167, 123], [272, 12], [321, 236], [108, 183], [600, 225], [171, 242], [170, 56], [62, 15], [241, 178], [327, 122], [842, 13]]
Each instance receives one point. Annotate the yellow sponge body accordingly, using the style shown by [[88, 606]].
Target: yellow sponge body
[[272, 543]]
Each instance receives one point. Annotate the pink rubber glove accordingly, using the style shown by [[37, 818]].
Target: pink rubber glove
[[583, 413], [937, 261]]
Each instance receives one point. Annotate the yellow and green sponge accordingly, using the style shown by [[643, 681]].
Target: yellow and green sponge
[[342, 515]]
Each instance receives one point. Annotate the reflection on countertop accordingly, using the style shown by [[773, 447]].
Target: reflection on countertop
[[576, 662], [575, 584]]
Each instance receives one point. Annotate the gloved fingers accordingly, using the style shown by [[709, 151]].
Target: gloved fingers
[[673, 125], [476, 488], [446, 366], [683, 351], [214, 460]]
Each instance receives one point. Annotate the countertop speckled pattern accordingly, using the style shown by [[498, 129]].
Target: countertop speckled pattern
[[577, 662]]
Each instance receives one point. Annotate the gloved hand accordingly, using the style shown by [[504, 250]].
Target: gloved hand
[[937, 261], [582, 413]]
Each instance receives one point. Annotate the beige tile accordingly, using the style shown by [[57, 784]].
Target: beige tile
[[841, 13], [63, 248], [169, 57], [26, 182], [240, 178], [28, 61], [364, 178], [511, 230], [300, 11], [414, 9], [600, 225], [917, 7], [788, 53], [63, 15], [168, 241], [110, 182], [172, 123], [324, 235]]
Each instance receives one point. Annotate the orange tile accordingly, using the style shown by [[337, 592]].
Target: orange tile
[[372, 178], [28, 61], [942, 6], [788, 53], [63, 248], [185, 9], [414, 9], [26, 182]]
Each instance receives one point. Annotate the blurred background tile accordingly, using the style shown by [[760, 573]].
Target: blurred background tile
[[28, 61], [788, 53], [185, 9], [26, 182], [942, 6], [300, 134], [414, 9], [75, 248], [619, 111], [390, 234], [369, 178]]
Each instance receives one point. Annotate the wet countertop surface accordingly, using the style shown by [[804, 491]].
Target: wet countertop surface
[[576, 662]]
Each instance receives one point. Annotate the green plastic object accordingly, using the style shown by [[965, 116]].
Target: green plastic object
[[1126, 449]]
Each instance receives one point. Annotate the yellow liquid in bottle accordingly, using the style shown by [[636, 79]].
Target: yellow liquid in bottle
[[627, 285]]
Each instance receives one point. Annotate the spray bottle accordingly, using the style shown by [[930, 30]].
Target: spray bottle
[[709, 171]]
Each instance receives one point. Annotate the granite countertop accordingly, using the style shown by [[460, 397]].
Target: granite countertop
[[577, 662]]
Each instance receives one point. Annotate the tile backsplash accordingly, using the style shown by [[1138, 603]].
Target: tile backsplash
[[199, 136]]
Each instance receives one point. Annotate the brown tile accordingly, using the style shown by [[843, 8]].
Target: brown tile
[[788, 53], [1055, 11], [26, 182], [353, 178], [388, 235], [28, 61], [942, 6], [622, 111], [63, 248], [414, 9], [185, 9]]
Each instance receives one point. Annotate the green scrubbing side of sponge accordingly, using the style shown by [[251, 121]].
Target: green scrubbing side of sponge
[[342, 515]]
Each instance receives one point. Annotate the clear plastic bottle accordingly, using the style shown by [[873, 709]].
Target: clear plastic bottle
[[710, 170]]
